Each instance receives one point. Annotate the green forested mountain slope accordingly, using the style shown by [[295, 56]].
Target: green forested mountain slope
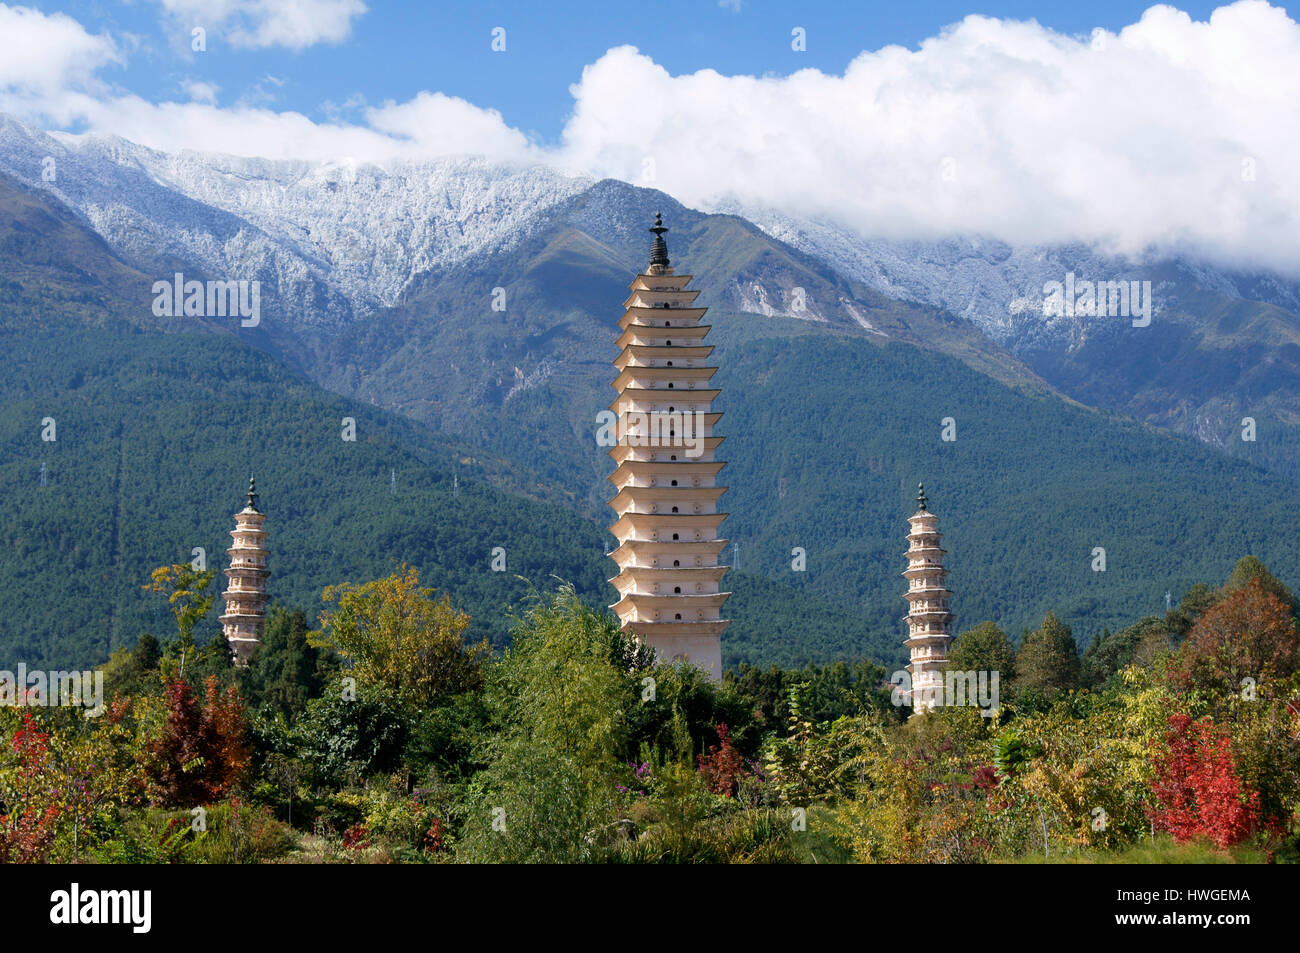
[[828, 434], [833, 435], [155, 437]]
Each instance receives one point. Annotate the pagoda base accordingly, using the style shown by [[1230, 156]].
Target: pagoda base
[[702, 649], [242, 649]]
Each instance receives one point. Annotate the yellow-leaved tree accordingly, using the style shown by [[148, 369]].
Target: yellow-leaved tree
[[394, 634], [186, 589]]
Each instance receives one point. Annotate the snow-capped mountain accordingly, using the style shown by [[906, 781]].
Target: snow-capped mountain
[[1000, 287], [329, 241], [334, 241]]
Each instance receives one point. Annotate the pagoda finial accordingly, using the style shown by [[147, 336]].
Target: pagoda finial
[[659, 250], [252, 493], [920, 496]]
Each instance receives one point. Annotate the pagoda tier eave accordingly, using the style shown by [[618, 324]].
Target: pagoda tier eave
[[643, 280], [687, 521], [639, 372], [629, 548], [630, 496], [711, 418], [688, 467], [649, 393], [678, 628], [686, 401], [652, 571], [622, 452], [699, 352], [685, 295], [694, 332], [687, 312]]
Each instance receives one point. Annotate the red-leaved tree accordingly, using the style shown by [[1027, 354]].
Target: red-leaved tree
[[202, 752], [723, 766], [31, 809], [1248, 633], [1196, 786]]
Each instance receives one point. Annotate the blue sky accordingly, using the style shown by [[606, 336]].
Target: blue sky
[[396, 49]]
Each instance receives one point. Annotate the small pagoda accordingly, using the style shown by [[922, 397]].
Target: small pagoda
[[666, 471], [929, 623], [245, 594]]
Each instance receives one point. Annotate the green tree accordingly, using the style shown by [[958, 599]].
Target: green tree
[[346, 736], [1251, 569], [985, 648], [1047, 665], [286, 671], [559, 702], [187, 596]]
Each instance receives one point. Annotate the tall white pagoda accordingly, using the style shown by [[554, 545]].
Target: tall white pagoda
[[929, 623], [245, 594], [670, 580]]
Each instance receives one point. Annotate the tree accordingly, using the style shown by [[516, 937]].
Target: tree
[[1047, 665], [985, 648], [345, 736], [147, 654], [98, 770], [1139, 644], [214, 658], [1197, 788], [1251, 569], [185, 589], [286, 671], [1248, 633], [30, 796], [804, 766], [557, 755], [392, 633], [723, 767], [133, 671], [201, 753]]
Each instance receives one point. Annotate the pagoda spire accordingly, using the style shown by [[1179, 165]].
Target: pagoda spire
[[929, 623], [666, 472], [245, 594], [659, 248]]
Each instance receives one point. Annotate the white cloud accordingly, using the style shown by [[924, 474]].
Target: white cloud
[[200, 92], [1127, 141], [46, 60], [295, 24], [435, 124], [1001, 128]]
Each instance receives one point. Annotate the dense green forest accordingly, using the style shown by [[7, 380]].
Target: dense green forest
[[155, 436], [837, 432]]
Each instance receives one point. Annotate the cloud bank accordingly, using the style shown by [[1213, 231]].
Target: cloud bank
[[1170, 135]]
